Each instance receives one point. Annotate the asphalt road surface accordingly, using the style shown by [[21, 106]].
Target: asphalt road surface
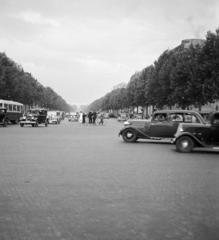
[[69, 182]]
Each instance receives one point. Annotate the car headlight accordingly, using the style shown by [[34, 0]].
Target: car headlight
[[127, 123]]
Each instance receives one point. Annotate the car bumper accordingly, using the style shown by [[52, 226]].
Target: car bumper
[[27, 122]]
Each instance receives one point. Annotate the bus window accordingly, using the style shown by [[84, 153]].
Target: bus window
[[10, 107], [6, 106], [14, 108], [0, 104], [18, 108]]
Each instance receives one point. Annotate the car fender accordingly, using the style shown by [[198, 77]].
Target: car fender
[[138, 131], [196, 140]]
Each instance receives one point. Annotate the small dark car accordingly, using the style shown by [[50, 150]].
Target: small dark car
[[35, 117], [162, 125], [3, 117], [190, 136]]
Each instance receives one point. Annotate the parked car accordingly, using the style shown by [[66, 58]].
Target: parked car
[[162, 125], [73, 117], [3, 119], [34, 117], [54, 117], [122, 117], [106, 115], [190, 136]]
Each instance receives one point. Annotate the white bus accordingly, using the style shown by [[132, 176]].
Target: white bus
[[14, 110]]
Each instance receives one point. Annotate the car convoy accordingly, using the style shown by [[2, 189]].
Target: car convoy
[[186, 129]]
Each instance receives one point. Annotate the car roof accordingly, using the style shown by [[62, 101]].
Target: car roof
[[175, 111], [38, 109]]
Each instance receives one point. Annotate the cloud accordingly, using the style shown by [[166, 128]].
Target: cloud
[[83, 48], [36, 18]]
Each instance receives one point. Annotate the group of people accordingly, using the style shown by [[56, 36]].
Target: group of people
[[92, 118]]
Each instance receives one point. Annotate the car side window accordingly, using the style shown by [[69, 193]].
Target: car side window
[[191, 118], [160, 117], [176, 117]]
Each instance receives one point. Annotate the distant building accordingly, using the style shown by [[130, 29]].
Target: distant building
[[120, 85]]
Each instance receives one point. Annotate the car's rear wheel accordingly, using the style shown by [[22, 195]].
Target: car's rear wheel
[[21, 124], [129, 135], [185, 144]]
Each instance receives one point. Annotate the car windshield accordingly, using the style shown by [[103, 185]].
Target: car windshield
[[33, 112], [42, 112]]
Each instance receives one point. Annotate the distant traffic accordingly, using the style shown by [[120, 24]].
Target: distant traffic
[[187, 129]]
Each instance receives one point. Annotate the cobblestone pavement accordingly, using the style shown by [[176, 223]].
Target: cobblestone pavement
[[70, 182]]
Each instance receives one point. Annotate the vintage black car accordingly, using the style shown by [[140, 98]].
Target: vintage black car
[[3, 117], [162, 125], [34, 117], [190, 136]]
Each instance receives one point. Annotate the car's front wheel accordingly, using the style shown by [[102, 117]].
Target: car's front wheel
[[185, 144], [129, 135]]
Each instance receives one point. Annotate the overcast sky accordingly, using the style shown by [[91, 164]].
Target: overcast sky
[[82, 48]]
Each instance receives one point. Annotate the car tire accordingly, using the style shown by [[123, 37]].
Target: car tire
[[21, 124], [185, 144], [129, 135], [5, 123]]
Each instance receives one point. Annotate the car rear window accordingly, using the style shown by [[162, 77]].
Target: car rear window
[[191, 118]]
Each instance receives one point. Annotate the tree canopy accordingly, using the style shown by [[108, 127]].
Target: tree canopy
[[21, 86], [184, 76]]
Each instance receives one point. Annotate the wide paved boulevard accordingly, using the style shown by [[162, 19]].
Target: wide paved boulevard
[[69, 182]]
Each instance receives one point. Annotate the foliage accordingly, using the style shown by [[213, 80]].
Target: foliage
[[183, 77], [17, 85]]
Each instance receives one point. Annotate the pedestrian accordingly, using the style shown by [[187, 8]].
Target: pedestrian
[[90, 117], [94, 117], [83, 118], [101, 119]]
